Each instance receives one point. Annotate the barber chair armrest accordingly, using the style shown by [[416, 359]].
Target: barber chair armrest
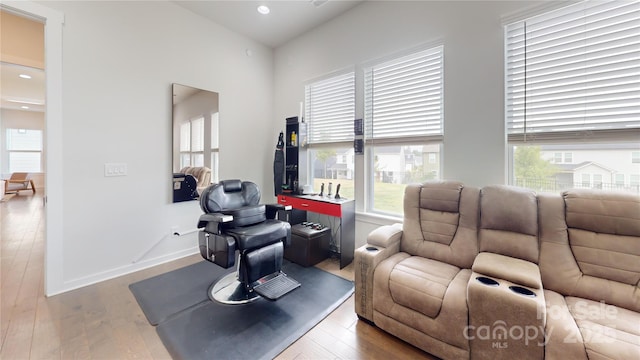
[[205, 219], [272, 209]]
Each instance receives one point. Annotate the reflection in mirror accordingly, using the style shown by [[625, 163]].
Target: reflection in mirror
[[195, 141]]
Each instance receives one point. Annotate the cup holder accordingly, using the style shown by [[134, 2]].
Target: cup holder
[[487, 281], [522, 291], [372, 248]]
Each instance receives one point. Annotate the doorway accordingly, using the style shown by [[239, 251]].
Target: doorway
[[22, 104], [52, 162]]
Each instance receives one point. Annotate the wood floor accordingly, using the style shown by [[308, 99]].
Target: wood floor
[[103, 321]]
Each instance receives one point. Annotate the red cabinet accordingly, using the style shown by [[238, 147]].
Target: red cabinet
[[340, 208], [321, 207]]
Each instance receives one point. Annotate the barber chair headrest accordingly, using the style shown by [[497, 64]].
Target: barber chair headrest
[[231, 185], [229, 195]]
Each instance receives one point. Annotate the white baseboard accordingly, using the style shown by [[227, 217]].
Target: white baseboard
[[124, 270]]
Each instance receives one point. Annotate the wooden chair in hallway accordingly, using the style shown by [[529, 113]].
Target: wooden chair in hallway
[[19, 181]]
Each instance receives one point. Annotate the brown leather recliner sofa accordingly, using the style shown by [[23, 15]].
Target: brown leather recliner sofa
[[502, 272]]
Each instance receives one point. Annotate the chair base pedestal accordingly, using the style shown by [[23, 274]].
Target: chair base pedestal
[[228, 290]]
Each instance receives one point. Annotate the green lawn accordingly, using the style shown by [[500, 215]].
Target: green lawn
[[388, 197]]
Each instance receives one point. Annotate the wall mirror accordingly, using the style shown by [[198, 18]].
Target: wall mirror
[[195, 141]]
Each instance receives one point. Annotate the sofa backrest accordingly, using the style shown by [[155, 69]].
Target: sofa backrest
[[590, 245], [509, 222], [201, 173], [441, 222]]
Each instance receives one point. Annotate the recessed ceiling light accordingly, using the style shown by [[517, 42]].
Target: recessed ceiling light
[[25, 76], [318, 3], [264, 9]]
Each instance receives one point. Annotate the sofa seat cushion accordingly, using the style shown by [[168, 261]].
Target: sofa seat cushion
[[608, 331], [420, 284], [449, 324]]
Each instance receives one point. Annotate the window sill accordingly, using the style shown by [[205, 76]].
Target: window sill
[[377, 219]]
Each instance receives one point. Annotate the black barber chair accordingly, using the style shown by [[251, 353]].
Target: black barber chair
[[235, 221]]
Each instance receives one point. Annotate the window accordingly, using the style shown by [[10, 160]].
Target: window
[[333, 165], [568, 157], [597, 181], [571, 83], [215, 147], [557, 158], [586, 180], [403, 126], [330, 109], [635, 157], [25, 150], [197, 142], [329, 114], [634, 181], [620, 180], [192, 143], [185, 145]]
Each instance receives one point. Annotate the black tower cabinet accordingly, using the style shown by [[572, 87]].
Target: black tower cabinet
[[292, 155]]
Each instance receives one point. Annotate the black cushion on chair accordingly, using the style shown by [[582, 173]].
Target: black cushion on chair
[[252, 237], [266, 260], [244, 216], [231, 185]]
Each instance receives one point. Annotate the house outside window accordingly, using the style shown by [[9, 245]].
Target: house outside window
[[568, 84], [404, 113], [635, 157], [619, 180]]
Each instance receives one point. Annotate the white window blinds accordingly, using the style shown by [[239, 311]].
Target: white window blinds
[[575, 73], [330, 109], [25, 150], [24, 140], [404, 97]]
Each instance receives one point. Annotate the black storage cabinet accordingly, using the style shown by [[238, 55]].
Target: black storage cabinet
[[308, 246]]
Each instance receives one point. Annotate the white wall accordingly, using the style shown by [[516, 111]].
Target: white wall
[[472, 34], [119, 61]]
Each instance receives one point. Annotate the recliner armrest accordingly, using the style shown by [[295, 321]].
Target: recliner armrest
[[381, 244], [385, 236]]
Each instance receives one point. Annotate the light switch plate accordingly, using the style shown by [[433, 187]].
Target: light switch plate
[[115, 169]]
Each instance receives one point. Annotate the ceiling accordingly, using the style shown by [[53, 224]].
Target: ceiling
[[19, 93], [287, 19]]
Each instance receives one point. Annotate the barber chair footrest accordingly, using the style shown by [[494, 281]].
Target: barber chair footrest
[[275, 286]]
